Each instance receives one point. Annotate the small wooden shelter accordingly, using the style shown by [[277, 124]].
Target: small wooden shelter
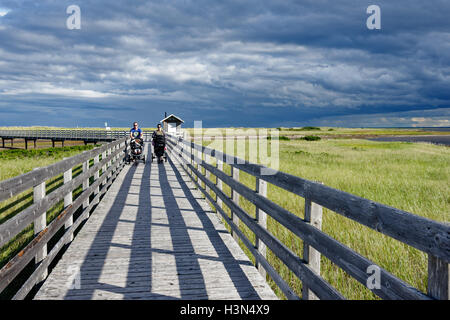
[[172, 124]]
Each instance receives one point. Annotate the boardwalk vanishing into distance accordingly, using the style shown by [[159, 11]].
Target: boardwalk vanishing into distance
[[153, 237], [170, 231]]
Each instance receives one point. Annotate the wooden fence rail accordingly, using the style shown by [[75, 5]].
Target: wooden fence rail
[[427, 235], [110, 165], [69, 134]]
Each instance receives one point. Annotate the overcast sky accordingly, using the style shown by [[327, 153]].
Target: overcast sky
[[228, 63]]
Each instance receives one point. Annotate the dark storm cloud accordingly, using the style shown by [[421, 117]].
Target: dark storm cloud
[[256, 63]]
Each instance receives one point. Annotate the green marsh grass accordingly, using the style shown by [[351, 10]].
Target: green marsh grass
[[410, 176], [334, 132], [18, 161]]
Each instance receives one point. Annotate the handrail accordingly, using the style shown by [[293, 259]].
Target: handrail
[[18, 184], [424, 234], [110, 165], [69, 134], [427, 235]]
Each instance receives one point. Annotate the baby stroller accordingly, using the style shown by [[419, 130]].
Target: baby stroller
[[159, 147], [136, 151]]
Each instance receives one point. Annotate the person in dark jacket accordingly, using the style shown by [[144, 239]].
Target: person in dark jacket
[[159, 142]]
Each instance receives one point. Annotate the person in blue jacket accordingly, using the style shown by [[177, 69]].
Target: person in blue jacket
[[135, 132]]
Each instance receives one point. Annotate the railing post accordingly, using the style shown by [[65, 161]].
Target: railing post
[[207, 173], [120, 146], [438, 278], [96, 177], [199, 165], [86, 184], [191, 156], [67, 202], [313, 215], [219, 182], [109, 163], [116, 147], [104, 166], [235, 196], [124, 145], [261, 218], [183, 155], [40, 223]]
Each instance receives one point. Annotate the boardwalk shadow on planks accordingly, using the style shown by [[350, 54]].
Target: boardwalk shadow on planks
[[105, 247], [171, 247], [218, 252]]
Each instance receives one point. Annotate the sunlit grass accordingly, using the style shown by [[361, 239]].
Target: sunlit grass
[[308, 131], [16, 162], [410, 176]]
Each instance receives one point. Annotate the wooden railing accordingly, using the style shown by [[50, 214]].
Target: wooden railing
[[100, 166], [90, 135], [429, 236]]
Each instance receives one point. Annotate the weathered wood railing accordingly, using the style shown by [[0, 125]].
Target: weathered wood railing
[[429, 236], [110, 164], [68, 134]]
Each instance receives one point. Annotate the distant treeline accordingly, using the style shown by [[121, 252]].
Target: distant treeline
[[303, 129], [307, 138]]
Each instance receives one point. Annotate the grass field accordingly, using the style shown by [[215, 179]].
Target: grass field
[[410, 176], [18, 161], [15, 162], [324, 132]]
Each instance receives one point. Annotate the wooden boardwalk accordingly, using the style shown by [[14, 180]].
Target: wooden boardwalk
[[153, 237]]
